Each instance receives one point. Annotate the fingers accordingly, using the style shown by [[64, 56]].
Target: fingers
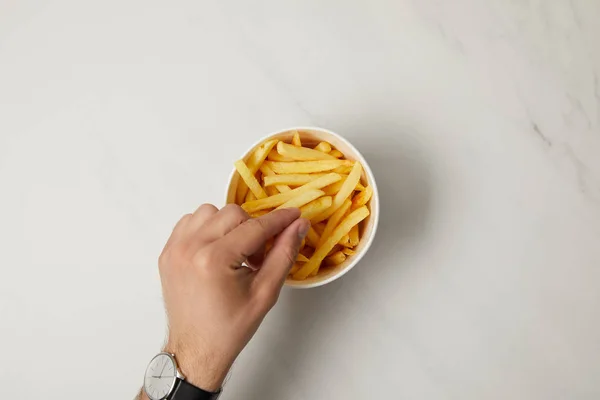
[[282, 256], [178, 230], [200, 216], [249, 237], [223, 222]]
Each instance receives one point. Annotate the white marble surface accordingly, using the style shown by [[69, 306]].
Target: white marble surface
[[481, 121]]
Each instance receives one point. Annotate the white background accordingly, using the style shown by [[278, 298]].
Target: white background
[[481, 121]]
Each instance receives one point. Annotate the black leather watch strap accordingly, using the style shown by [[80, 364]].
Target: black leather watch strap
[[187, 391]]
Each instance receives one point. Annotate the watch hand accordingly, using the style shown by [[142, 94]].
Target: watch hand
[[163, 368]]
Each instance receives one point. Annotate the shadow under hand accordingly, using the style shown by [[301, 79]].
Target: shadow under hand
[[303, 318]]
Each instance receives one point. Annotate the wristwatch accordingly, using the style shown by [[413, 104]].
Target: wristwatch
[[164, 381]]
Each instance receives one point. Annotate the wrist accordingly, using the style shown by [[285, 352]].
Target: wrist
[[201, 368]]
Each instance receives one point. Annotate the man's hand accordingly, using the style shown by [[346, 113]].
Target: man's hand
[[214, 304]]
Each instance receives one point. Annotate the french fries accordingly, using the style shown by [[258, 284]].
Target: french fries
[[302, 199], [316, 178], [301, 153], [324, 147], [268, 173], [254, 162], [315, 207], [345, 191], [289, 179], [321, 252], [336, 258], [296, 139], [279, 199], [249, 179], [307, 167], [336, 153]]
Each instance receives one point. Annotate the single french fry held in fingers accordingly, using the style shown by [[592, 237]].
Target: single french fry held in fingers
[[321, 252], [279, 199], [345, 191], [296, 139], [301, 153], [324, 147], [249, 179], [306, 167], [257, 157], [315, 207], [267, 174], [335, 259], [336, 153]]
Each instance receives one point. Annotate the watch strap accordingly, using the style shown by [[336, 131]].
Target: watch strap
[[187, 391]]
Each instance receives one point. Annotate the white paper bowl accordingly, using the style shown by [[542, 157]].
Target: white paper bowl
[[314, 135]]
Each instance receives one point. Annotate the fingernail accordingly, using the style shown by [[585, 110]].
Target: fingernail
[[303, 229]]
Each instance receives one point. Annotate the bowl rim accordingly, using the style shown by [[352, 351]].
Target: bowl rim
[[374, 198]]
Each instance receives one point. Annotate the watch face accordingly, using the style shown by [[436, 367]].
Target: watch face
[[160, 377]]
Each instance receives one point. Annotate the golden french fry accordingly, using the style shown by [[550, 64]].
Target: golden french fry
[[250, 196], [302, 243], [345, 191], [360, 187], [314, 273], [348, 251], [270, 190], [335, 249], [335, 219], [302, 199], [321, 252], [296, 139], [258, 213], [319, 228], [306, 167], [335, 259], [275, 156], [249, 179], [312, 237], [267, 173], [344, 169], [323, 147], [316, 207], [354, 233], [279, 199], [362, 198], [295, 268], [345, 241], [336, 153], [301, 153], [290, 179], [301, 258], [254, 161], [334, 188]]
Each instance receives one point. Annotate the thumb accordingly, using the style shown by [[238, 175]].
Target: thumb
[[282, 256]]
